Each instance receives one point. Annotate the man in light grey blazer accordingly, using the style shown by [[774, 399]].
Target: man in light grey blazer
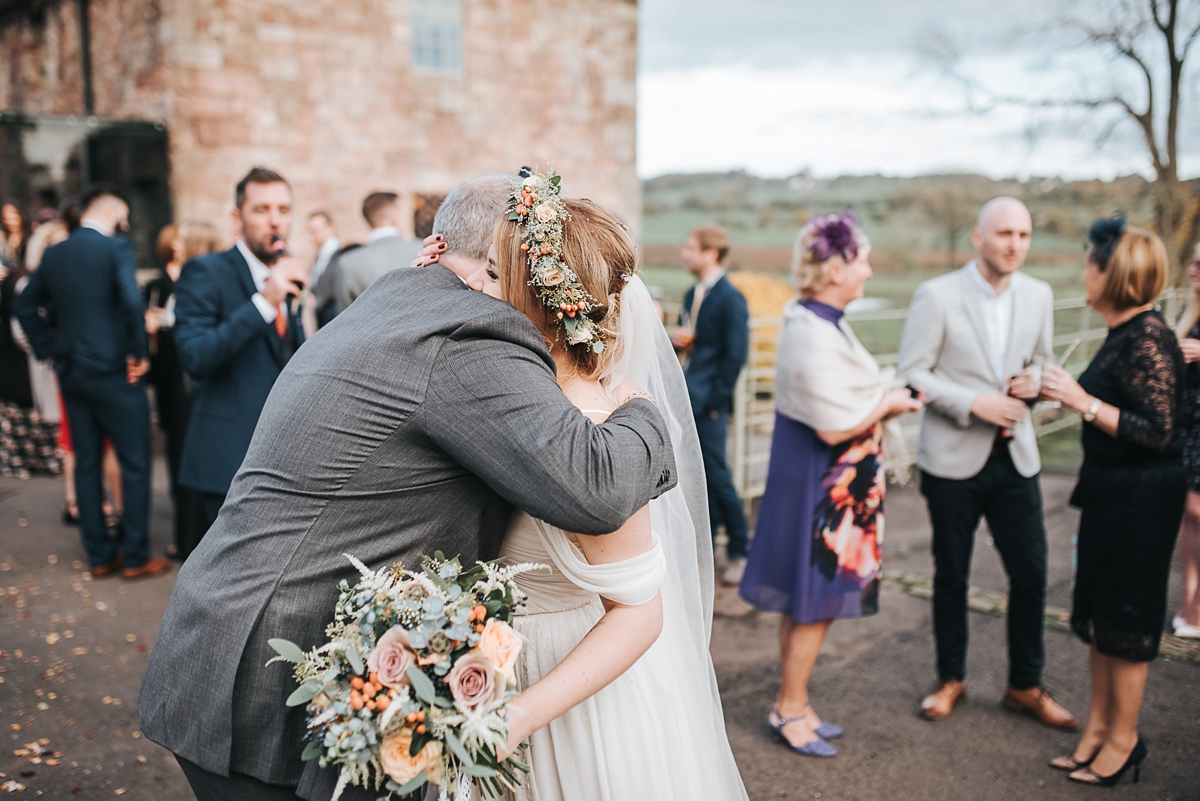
[[969, 338], [386, 249], [413, 422]]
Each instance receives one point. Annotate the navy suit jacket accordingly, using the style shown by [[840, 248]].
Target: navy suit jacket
[[719, 348], [87, 291], [234, 355]]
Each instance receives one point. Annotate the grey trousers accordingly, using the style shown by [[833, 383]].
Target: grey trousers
[[234, 787]]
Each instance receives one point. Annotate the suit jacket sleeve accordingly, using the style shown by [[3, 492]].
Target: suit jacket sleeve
[[1043, 352], [494, 406], [205, 339], [26, 306], [920, 348], [129, 297], [735, 345], [345, 286]]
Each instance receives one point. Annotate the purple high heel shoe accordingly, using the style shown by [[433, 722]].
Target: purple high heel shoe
[[818, 748]]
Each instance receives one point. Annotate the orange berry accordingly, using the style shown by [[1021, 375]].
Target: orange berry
[[480, 611], [356, 682], [383, 702], [411, 717], [524, 246], [560, 315], [368, 691], [370, 703], [356, 701], [420, 714], [421, 729], [373, 677]]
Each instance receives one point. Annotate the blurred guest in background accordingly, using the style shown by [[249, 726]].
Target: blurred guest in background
[[16, 232], [1187, 622], [172, 388], [969, 336], [325, 243], [819, 540], [99, 352], [39, 449], [385, 250], [1131, 490], [714, 336], [235, 328]]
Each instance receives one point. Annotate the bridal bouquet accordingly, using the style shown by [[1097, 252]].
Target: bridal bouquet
[[414, 683]]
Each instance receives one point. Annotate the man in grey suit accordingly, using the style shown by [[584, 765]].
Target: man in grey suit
[[413, 422], [969, 337], [385, 250]]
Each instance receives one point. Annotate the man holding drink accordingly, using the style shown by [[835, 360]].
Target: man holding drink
[[974, 342]]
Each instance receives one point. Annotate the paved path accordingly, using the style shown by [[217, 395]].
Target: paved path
[[72, 652]]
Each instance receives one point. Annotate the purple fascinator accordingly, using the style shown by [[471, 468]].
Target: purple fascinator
[[834, 234]]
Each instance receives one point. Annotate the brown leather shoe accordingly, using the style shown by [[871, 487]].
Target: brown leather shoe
[[106, 569], [941, 702], [153, 566], [1038, 702]]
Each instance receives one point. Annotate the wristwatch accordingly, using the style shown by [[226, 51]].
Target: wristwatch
[[1093, 410]]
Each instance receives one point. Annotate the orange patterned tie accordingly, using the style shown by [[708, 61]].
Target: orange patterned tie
[[281, 320]]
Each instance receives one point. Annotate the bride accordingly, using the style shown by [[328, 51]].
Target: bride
[[618, 695]]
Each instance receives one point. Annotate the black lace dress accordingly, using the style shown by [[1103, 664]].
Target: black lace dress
[[1131, 491]]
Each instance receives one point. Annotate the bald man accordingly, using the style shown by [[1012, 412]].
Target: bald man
[[970, 337]]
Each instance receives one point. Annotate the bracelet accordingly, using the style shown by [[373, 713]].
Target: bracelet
[[1093, 410], [645, 395]]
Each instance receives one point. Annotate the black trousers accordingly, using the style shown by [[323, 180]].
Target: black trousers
[[724, 505], [108, 405], [234, 787], [1012, 505]]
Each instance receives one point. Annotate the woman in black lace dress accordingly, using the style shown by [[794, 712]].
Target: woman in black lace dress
[[1131, 490]]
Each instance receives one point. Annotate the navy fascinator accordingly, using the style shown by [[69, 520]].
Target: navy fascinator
[[1103, 236]]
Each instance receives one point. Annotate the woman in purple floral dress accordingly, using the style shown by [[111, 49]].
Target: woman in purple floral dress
[[818, 544]]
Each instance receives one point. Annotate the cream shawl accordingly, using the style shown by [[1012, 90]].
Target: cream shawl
[[827, 380]]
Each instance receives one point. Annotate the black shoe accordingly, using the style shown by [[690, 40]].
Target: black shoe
[[1088, 776], [69, 518]]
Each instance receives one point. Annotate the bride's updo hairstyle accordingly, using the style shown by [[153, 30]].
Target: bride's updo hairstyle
[[601, 251]]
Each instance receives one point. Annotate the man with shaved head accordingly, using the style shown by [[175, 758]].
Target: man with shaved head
[[969, 339]]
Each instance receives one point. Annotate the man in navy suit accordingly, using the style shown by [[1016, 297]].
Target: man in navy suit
[[236, 326], [715, 336], [85, 290]]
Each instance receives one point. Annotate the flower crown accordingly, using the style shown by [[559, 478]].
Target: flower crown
[[834, 234], [535, 203]]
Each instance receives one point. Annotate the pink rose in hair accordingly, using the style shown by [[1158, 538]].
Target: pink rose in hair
[[392, 657]]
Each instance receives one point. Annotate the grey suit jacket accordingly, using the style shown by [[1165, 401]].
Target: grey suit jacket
[[943, 351], [362, 267], [411, 423]]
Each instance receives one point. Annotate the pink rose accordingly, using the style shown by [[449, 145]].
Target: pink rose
[[546, 212], [392, 657], [472, 680], [552, 276]]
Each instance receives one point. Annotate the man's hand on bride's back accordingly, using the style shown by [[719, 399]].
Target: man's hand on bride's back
[[431, 251]]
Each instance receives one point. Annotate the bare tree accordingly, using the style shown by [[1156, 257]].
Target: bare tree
[[1148, 42]]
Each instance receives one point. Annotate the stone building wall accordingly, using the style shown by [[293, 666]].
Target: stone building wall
[[325, 92]]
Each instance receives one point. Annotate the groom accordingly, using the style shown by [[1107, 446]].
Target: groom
[[413, 422]]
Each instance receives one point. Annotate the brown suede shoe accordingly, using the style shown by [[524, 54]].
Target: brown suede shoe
[[100, 571], [153, 566], [941, 702], [1038, 702]]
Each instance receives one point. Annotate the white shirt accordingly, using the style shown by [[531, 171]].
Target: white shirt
[[259, 272], [95, 225], [381, 232], [997, 319], [328, 248]]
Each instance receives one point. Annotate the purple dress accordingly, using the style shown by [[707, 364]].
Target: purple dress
[[818, 543]]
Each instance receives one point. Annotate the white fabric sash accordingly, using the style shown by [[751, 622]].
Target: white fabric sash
[[631, 582], [827, 380]]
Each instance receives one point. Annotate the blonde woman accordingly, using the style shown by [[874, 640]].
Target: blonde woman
[[819, 541], [1130, 493], [1187, 622]]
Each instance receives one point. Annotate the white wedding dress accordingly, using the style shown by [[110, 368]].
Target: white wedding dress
[[657, 731]]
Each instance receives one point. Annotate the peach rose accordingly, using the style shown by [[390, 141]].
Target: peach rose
[[546, 212], [552, 276], [472, 680], [392, 657], [502, 645], [403, 768]]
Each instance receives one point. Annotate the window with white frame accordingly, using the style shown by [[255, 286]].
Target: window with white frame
[[437, 36]]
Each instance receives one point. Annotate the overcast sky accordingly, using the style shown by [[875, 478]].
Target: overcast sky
[[839, 87]]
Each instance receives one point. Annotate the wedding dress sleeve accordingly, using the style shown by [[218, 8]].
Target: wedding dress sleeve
[[631, 582]]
